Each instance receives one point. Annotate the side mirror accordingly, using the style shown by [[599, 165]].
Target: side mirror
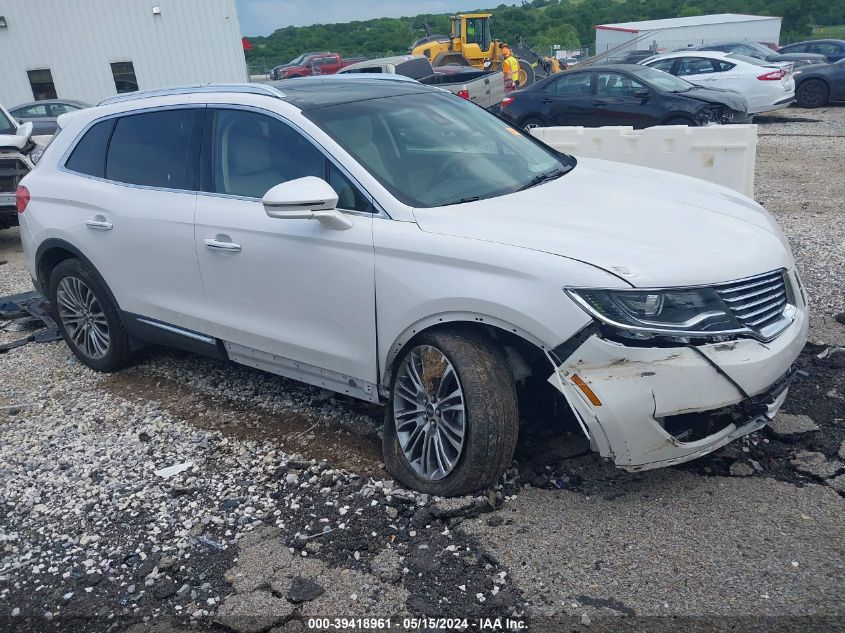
[[642, 94], [308, 198], [25, 130]]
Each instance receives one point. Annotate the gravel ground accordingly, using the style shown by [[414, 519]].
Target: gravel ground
[[281, 511]]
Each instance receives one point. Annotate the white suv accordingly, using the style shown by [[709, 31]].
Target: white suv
[[392, 242]]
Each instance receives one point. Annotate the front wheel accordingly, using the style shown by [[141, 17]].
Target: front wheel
[[88, 317], [452, 420], [532, 122], [812, 94]]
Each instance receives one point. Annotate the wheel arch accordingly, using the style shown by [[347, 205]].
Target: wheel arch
[[505, 334], [51, 252], [686, 116]]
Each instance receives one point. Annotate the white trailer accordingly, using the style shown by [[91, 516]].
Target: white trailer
[[675, 33]]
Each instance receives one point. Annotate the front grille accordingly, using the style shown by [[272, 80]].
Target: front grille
[[758, 302], [12, 170]]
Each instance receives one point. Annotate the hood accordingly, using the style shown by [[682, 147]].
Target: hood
[[733, 100], [13, 141], [649, 227]]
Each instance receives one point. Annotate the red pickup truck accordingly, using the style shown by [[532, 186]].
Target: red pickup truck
[[309, 64]]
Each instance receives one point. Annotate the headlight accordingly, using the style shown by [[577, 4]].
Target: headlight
[[676, 312]]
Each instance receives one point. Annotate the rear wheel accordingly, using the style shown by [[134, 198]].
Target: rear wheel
[[529, 123], [526, 74], [452, 421], [87, 316], [813, 93]]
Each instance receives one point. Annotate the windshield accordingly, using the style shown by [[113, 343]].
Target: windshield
[[660, 79], [6, 125], [432, 149], [765, 51], [297, 61]]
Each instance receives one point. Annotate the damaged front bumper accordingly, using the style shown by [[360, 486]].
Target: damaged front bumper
[[648, 407]]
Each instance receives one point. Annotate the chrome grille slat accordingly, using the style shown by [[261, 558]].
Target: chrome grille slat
[[768, 299], [758, 302], [750, 295]]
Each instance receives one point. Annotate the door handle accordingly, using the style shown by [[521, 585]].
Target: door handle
[[546, 100], [217, 245], [99, 223]]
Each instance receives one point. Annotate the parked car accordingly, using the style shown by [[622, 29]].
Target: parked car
[[389, 241], [766, 86], [484, 88], [309, 64], [819, 85], [833, 50], [43, 114], [19, 152], [760, 51], [623, 94], [630, 57]]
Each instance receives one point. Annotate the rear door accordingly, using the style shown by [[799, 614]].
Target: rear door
[[701, 71], [622, 100], [567, 100], [135, 217]]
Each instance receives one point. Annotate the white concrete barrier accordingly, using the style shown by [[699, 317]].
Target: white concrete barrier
[[724, 154]]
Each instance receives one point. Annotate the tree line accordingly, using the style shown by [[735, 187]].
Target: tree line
[[541, 23]]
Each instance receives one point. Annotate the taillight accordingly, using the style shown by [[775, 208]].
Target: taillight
[[775, 75], [463, 94], [507, 101], [21, 198]]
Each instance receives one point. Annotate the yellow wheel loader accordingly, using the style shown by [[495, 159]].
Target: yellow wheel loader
[[471, 44]]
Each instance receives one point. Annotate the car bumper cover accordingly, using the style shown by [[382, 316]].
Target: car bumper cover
[[660, 406]]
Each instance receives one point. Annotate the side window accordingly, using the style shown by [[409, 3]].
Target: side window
[[695, 66], [33, 112], [616, 85], [723, 66], [89, 155], [795, 48], [348, 195], [154, 149], [254, 153], [823, 48], [664, 64], [57, 109], [570, 85]]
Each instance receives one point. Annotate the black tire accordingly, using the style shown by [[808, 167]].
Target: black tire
[[532, 121], [812, 93], [118, 350], [528, 70], [678, 120], [492, 416]]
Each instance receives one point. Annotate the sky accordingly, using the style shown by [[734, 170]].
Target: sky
[[262, 17]]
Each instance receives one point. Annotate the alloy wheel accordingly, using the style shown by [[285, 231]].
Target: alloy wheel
[[83, 317], [429, 412]]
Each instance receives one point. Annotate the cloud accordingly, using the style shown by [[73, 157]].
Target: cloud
[[262, 17]]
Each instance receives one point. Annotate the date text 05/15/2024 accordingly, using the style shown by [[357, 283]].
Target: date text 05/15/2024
[[416, 623]]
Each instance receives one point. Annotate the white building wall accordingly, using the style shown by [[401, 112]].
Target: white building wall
[[765, 29], [191, 41]]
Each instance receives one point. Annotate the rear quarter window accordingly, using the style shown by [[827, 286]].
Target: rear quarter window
[[89, 155]]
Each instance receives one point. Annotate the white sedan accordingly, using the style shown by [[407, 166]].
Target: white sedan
[[765, 85]]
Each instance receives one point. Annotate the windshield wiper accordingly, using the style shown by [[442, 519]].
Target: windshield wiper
[[544, 177], [461, 201]]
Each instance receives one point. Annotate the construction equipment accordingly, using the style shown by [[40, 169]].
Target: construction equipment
[[471, 44]]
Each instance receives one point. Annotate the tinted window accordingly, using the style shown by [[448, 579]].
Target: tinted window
[[616, 85], [695, 66], [153, 149], [57, 109], [795, 48], [6, 126], [124, 77], [571, 85], [723, 66], [41, 82], [89, 155], [257, 152], [823, 48], [664, 64]]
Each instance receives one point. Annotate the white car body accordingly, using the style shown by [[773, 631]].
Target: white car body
[[364, 284], [727, 71]]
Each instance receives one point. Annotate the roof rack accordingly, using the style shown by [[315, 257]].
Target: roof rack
[[255, 89]]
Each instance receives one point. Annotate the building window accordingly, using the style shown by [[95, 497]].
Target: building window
[[42, 84], [124, 77]]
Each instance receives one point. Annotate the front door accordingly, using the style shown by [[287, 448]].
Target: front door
[[287, 295], [622, 100], [567, 100]]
